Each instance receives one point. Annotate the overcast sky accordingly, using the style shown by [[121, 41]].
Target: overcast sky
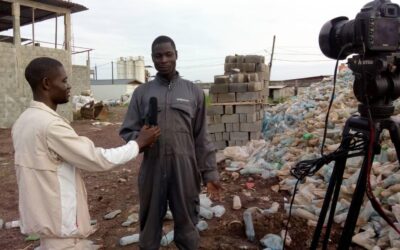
[[205, 31]]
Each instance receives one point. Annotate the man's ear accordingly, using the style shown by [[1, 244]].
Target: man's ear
[[176, 53], [45, 83]]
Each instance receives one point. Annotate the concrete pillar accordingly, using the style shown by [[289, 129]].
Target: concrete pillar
[[16, 23], [67, 28]]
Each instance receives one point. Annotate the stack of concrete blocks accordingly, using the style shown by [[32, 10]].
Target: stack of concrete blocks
[[237, 101]]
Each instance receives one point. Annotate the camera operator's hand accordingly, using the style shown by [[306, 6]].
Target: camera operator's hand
[[147, 136]]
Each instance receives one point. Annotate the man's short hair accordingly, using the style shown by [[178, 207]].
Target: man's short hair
[[162, 39], [40, 68]]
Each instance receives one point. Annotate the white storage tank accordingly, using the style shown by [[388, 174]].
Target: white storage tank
[[131, 68], [121, 68]]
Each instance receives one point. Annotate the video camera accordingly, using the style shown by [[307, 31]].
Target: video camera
[[375, 29], [374, 37]]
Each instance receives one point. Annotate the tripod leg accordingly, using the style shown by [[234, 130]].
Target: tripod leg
[[394, 129], [334, 187], [342, 164], [358, 196]]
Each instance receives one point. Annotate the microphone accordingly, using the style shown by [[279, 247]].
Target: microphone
[[153, 112]]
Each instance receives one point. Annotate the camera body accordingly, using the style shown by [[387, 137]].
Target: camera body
[[374, 30]]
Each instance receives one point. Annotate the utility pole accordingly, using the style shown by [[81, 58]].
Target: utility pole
[[272, 57], [112, 72], [95, 72]]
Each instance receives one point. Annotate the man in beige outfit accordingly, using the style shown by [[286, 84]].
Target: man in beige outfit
[[49, 157]]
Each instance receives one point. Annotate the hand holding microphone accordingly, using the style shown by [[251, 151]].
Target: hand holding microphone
[[150, 131]]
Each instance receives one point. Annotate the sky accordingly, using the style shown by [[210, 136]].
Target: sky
[[205, 31]]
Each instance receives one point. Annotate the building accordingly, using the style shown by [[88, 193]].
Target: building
[[131, 68], [280, 92], [16, 52], [113, 89]]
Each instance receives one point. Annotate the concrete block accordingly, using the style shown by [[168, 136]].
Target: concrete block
[[240, 58], [229, 66], [254, 59], [242, 117], [235, 127], [215, 110], [219, 88], [227, 97], [252, 117], [215, 128], [228, 109], [221, 79], [214, 98], [230, 59], [255, 135], [252, 77], [241, 142], [239, 136], [245, 109], [211, 137], [231, 143], [220, 145], [261, 67], [228, 127], [248, 96], [217, 118], [230, 118], [239, 77], [225, 136], [255, 86], [250, 127], [210, 119], [262, 113], [249, 67], [218, 136], [238, 87]]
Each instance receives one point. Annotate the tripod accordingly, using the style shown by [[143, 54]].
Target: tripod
[[357, 128]]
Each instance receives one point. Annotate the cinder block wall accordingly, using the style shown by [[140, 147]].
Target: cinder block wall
[[15, 93], [80, 79]]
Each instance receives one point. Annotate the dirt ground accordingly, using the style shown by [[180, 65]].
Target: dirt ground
[[117, 189]]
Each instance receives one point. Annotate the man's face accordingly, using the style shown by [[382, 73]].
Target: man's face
[[59, 88], [164, 58]]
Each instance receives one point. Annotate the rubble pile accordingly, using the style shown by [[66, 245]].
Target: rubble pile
[[237, 101], [86, 107], [293, 131]]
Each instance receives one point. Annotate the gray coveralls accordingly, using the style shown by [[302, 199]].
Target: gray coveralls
[[172, 170]]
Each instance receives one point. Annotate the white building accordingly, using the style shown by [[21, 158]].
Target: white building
[[103, 90]]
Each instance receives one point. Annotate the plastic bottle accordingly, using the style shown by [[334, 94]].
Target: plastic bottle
[[202, 225], [218, 210], [237, 204], [12, 224], [205, 213], [248, 222], [167, 239], [129, 239]]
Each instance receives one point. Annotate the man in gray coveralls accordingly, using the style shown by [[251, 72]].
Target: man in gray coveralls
[[173, 169]]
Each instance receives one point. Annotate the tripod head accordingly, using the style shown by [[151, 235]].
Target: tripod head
[[377, 82]]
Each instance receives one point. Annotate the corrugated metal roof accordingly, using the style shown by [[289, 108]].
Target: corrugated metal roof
[[6, 20]]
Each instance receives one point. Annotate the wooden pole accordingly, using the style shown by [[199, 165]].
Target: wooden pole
[[112, 72], [272, 57]]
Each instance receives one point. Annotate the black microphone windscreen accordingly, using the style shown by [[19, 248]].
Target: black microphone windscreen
[[153, 111]]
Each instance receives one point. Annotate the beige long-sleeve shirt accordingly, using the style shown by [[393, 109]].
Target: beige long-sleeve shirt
[[48, 158]]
